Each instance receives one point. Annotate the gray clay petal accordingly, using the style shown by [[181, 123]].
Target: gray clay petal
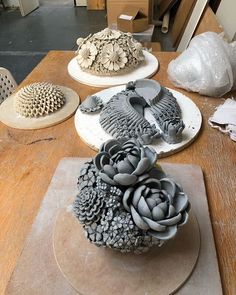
[[138, 220], [97, 160], [126, 198], [110, 143], [171, 212], [180, 202], [151, 154], [151, 203], [115, 148], [137, 195], [104, 160], [143, 165], [169, 186], [157, 213], [154, 225], [133, 160], [125, 179], [171, 221], [184, 220], [143, 208], [109, 170], [125, 167], [163, 206], [155, 183], [143, 177], [166, 235], [107, 179]]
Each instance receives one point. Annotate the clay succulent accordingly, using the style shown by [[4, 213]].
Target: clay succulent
[[122, 163], [157, 206], [91, 104]]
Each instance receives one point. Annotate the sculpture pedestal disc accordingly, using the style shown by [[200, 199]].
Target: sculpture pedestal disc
[[11, 118], [145, 70], [102, 271]]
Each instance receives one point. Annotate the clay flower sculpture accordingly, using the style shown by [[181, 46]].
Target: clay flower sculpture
[[124, 163], [126, 202], [157, 206], [109, 52], [113, 57], [86, 54]]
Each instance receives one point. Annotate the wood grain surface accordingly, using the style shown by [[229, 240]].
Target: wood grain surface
[[28, 160]]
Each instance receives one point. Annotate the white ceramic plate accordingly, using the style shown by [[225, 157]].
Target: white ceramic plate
[[147, 69]]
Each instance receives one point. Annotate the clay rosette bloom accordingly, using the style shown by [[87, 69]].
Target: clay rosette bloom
[[86, 54], [107, 34], [157, 206], [113, 57], [124, 162], [137, 49]]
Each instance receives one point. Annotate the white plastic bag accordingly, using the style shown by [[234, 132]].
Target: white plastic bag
[[207, 66]]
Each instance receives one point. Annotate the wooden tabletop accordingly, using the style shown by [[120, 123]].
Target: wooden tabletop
[[28, 160]]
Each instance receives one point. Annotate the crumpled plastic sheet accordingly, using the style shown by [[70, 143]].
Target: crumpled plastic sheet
[[207, 66], [224, 118]]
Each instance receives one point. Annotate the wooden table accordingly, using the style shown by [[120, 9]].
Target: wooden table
[[28, 160]]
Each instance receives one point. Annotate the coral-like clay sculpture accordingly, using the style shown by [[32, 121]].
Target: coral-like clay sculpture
[[109, 52], [92, 103], [126, 202], [38, 99], [123, 115]]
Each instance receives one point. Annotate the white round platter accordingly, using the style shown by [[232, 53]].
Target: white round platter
[[145, 70], [91, 132], [11, 118]]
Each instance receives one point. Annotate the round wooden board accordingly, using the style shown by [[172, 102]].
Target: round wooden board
[[91, 132], [100, 271], [145, 70], [11, 118]]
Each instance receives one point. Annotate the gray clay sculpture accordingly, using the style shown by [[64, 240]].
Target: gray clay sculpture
[[123, 115], [92, 103], [109, 52], [126, 202]]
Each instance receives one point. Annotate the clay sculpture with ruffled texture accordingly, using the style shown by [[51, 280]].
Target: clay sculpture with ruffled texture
[[109, 52], [38, 99], [123, 115], [126, 202]]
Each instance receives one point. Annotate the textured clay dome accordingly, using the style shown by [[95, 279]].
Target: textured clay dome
[[38, 99], [109, 52]]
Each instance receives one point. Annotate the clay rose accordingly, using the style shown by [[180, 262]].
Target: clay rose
[[157, 206], [124, 162]]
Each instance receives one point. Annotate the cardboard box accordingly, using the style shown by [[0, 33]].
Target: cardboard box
[[115, 8], [132, 20]]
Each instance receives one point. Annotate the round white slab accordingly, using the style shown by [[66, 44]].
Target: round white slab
[[98, 271], [145, 70], [11, 118], [91, 132]]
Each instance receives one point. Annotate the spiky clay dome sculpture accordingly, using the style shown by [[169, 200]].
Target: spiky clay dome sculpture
[[38, 99], [125, 202], [109, 52]]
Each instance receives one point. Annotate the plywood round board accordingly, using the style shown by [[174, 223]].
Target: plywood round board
[[92, 133], [101, 271], [145, 70], [11, 118]]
